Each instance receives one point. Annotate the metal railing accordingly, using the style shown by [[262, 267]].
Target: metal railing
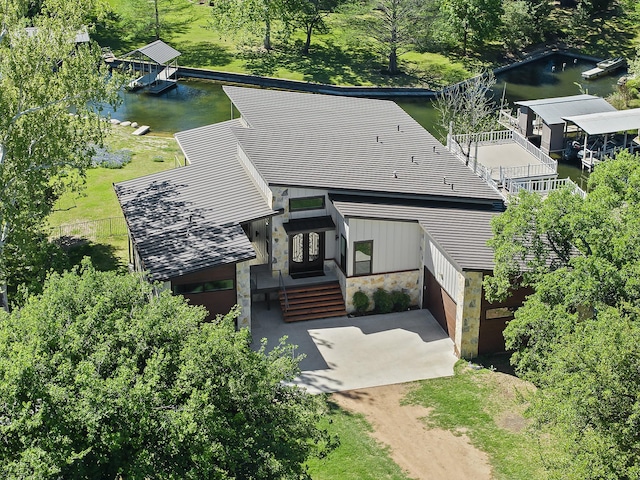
[[535, 151], [543, 186], [284, 290], [93, 229]]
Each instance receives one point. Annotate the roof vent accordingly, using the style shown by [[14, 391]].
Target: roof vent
[[395, 174]]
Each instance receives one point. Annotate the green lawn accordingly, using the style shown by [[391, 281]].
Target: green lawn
[[98, 200], [359, 456], [488, 407], [337, 57]]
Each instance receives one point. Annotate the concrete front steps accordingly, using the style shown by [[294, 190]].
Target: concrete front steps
[[313, 301]]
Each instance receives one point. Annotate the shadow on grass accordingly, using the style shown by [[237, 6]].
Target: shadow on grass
[[327, 62], [499, 361], [205, 54], [103, 256]]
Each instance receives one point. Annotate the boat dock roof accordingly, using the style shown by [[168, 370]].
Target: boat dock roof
[[607, 122]]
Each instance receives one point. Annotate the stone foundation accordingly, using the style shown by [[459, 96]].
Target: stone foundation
[[469, 304], [243, 294], [279, 238], [408, 282]]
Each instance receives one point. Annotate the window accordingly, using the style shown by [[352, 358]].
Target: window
[[306, 203], [363, 257], [201, 287], [343, 253]]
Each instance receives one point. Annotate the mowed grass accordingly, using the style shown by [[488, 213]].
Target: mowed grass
[[98, 200], [341, 57], [488, 407], [359, 456]]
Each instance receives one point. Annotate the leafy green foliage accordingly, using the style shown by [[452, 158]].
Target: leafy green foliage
[[151, 20], [576, 335], [382, 301], [401, 301], [475, 21], [360, 301], [43, 149], [591, 397], [101, 377]]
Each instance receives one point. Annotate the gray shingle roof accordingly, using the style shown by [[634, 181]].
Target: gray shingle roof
[[347, 144], [208, 198], [159, 52], [461, 233], [553, 110]]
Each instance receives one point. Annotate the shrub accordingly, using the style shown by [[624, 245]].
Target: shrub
[[382, 301], [360, 301], [401, 301], [104, 158]]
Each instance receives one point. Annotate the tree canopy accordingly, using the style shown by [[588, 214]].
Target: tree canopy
[[576, 336], [101, 377], [44, 77]]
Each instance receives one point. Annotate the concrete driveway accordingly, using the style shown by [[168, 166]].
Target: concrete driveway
[[348, 353]]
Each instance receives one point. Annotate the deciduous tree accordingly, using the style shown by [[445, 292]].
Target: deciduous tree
[[254, 16], [156, 18], [473, 20], [100, 377], [309, 15], [44, 76], [576, 335], [467, 108]]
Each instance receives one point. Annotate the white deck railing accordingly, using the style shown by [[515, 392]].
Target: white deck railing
[[526, 171], [535, 151], [542, 186], [498, 137]]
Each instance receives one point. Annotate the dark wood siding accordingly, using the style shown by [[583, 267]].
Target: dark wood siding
[[215, 302], [494, 318], [439, 303]]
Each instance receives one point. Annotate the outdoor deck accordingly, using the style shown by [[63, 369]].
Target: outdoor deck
[[510, 159], [502, 155]]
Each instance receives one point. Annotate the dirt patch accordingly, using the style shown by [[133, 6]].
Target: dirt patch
[[424, 453]]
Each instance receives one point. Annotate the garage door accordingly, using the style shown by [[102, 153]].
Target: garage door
[[439, 303]]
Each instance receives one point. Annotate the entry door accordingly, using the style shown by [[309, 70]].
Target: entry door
[[306, 253]]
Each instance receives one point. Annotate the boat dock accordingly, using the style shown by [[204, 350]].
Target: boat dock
[[156, 75], [604, 67]]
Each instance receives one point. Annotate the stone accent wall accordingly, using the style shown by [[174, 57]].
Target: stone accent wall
[[279, 238], [408, 281], [469, 303], [243, 294]]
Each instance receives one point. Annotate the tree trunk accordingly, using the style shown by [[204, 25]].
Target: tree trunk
[[393, 61], [464, 42], [157, 24], [307, 43], [267, 34]]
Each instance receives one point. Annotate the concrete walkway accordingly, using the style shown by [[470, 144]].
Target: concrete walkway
[[348, 353]]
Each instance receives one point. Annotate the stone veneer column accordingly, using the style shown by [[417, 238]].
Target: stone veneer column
[[243, 294], [279, 238], [469, 303]]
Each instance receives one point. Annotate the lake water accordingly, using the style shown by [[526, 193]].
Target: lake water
[[194, 103]]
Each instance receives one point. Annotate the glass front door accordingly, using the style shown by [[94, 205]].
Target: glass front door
[[306, 254]]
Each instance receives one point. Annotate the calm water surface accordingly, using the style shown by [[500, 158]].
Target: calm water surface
[[195, 103]]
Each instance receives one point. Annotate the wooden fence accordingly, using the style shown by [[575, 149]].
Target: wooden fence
[[93, 229]]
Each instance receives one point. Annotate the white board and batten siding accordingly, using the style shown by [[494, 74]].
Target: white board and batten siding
[[259, 237], [256, 177], [396, 245], [442, 269]]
